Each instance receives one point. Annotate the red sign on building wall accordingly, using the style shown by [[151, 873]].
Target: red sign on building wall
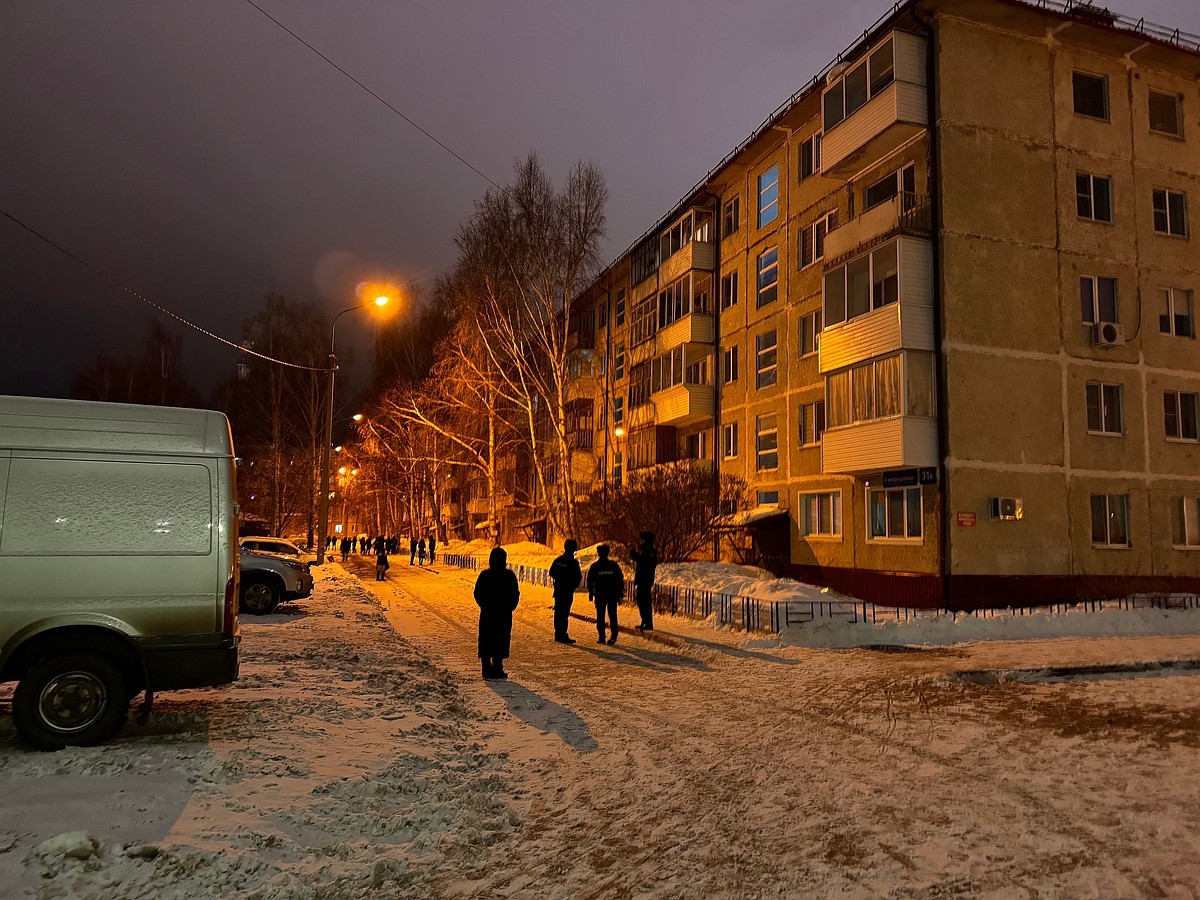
[[966, 520]]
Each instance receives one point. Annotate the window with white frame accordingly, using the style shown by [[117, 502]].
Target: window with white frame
[[893, 513], [766, 498], [766, 359], [810, 334], [729, 440], [620, 309], [1185, 521], [902, 181], [729, 364], [602, 315], [1098, 299], [1104, 408], [810, 156], [619, 361], [687, 295], [766, 442], [870, 390], [1166, 113], [1093, 197], [821, 513], [729, 290], [811, 422], [768, 196], [864, 81], [1176, 313], [618, 410], [1180, 415], [1170, 212], [812, 238], [1110, 520], [1090, 94], [731, 215], [869, 281], [616, 470], [694, 446], [768, 277]]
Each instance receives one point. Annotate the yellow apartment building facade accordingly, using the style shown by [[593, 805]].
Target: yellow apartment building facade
[[938, 312]]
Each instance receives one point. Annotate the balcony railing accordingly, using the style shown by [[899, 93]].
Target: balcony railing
[[906, 211]]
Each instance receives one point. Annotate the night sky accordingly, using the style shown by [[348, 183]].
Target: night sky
[[199, 154]]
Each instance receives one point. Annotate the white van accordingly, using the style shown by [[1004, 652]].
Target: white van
[[118, 561]]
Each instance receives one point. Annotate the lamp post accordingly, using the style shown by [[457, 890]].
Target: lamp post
[[323, 515]]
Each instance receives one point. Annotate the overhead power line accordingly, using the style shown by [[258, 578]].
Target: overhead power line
[[162, 309], [375, 95]]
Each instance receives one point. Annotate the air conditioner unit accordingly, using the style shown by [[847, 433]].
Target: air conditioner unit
[[1108, 334], [1006, 509]]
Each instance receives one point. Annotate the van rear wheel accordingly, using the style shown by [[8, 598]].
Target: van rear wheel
[[260, 598], [72, 700]]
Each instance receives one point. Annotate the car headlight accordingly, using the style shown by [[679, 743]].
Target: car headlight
[[294, 565]]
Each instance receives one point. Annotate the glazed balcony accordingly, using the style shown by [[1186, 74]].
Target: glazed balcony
[[899, 442], [683, 404], [905, 213], [875, 105]]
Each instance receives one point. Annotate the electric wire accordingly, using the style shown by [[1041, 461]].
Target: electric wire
[[174, 315], [375, 95]]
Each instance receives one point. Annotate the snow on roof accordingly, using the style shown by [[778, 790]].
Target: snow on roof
[[750, 516]]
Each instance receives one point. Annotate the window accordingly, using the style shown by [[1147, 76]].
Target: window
[[894, 513], [643, 262], [1097, 299], [865, 392], [729, 440], [1166, 113], [670, 369], [620, 312], [810, 156], [644, 322], [694, 446], [616, 470], [1093, 197], [1170, 212], [918, 365], [1176, 313], [1185, 521], [868, 281], [1110, 520], [810, 333], [767, 498], [768, 277], [1104, 408], [765, 360], [639, 384], [865, 80], [768, 196], [1179, 415], [618, 410], [731, 216], [602, 315], [729, 364], [729, 290], [902, 181], [766, 442], [812, 238], [821, 513], [619, 361], [682, 298], [812, 422], [1090, 94]]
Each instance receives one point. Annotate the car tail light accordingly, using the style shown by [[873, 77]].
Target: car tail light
[[229, 621]]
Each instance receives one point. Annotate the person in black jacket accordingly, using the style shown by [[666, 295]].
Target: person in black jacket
[[606, 586], [566, 575], [497, 594], [645, 561]]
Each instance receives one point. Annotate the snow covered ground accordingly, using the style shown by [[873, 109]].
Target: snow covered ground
[[360, 755]]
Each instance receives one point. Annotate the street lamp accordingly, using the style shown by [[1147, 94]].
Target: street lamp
[[380, 301]]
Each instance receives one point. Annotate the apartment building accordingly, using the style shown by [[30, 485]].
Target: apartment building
[[939, 311]]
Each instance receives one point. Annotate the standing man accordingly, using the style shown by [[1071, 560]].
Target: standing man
[[566, 575], [497, 594], [432, 549], [412, 550], [645, 560], [606, 586]]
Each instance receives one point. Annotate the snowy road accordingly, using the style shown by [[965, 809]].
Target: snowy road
[[361, 755]]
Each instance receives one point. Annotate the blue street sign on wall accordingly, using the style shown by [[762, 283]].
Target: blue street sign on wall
[[909, 477]]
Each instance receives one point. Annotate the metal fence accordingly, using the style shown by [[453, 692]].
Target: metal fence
[[758, 614]]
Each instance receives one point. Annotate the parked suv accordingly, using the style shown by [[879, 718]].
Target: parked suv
[[269, 579], [273, 545]]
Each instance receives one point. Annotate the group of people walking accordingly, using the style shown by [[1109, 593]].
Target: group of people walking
[[417, 548], [497, 595]]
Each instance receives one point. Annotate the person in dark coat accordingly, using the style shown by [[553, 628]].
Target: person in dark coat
[[606, 586], [421, 552], [381, 563], [432, 549], [566, 575], [645, 561], [412, 550], [345, 549], [497, 593]]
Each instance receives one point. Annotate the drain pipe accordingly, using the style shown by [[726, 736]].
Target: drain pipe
[[718, 234]]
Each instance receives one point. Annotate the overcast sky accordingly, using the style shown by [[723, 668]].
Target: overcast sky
[[199, 154]]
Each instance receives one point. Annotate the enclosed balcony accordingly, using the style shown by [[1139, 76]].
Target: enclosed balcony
[[881, 415], [686, 245], [685, 312], [903, 212], [878, 302], [684, 404], [874, 105], [681, 386]]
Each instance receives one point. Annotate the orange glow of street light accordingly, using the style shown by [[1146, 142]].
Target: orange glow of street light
[[357, 417], [381, 300]]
